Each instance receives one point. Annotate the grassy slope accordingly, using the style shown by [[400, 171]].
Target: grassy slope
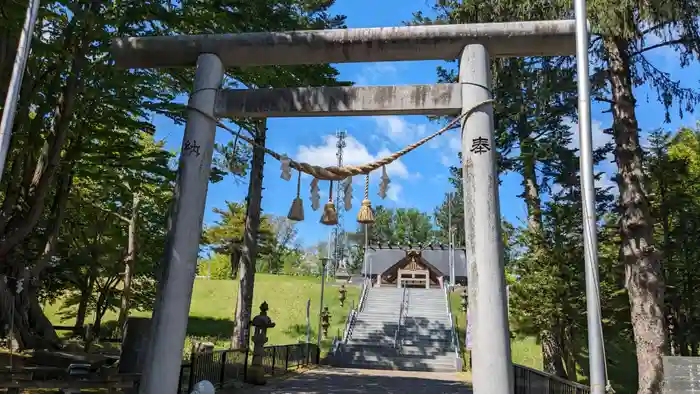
[[524, 351], [213, 303]]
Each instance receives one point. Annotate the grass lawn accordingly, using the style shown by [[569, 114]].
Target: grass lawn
[[214, 301], [524, 351]]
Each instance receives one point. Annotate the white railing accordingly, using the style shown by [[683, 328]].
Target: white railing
[[363, 296], [455, 342], [401, 312], [352, 315], [349, 324]]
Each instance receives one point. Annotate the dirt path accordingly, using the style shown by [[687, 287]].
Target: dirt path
[[347, 381]]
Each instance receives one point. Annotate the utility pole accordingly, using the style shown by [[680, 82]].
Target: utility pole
[[324, 263], [449, 238], [596, 347], [10, 107]]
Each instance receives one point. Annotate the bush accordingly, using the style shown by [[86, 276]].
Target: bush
[[219, 264]]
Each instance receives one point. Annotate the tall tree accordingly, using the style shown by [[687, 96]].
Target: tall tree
[[535, 98], [225, 236], [624, 31], [401, 226], [72, 91], [673, 172]]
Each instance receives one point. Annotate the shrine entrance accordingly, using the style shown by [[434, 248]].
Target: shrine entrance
[[417, 278], [469, 102], [412, 271]]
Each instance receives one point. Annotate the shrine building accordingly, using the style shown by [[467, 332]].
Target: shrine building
[[414, 266]]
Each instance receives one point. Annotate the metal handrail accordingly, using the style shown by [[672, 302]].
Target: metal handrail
[[352, 315], [363, 296], [453, 334], [401, 312], [526, 382], [349, 324]]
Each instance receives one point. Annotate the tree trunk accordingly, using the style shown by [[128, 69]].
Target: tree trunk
[[129, 263], [552, 354], [59, 209], [30, 327], [84, 302], [100, 309], [82, 311], [643, 275], [235, 261], [244, 305], [570, 350], [552, 344], [22, 224]]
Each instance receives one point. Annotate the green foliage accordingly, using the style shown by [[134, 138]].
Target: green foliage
[[401, 226], [278, 251], [217, 267], [673, 170], [79, 149]]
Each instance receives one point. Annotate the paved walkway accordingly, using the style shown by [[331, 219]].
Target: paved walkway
[[350, 381]]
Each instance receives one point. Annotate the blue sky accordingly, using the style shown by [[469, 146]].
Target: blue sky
[[419, 179]]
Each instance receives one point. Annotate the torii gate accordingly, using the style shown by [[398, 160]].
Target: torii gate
[[473, 44]]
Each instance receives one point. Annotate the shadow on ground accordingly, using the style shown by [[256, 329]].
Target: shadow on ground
[[344, 381]]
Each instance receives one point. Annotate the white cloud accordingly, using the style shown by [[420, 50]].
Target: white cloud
[[446, 160], [394, 192], [455, 143], [377, 74], [599, 139], [356, 153], [400, 131]]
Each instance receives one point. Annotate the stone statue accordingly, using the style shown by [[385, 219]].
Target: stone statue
[[341, 296], [261, 322], [325, 321]]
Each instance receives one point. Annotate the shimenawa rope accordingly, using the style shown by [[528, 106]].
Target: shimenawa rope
[[334, 173]]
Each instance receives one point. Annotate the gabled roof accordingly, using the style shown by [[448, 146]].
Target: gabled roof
[[382, 257]]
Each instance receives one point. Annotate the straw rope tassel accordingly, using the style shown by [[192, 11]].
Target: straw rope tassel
[[365, 215], [330, 216], [296, 211]]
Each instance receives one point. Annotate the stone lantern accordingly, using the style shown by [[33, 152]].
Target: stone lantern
[[261, 323], [342, 291], [465, 299], [325, 321]]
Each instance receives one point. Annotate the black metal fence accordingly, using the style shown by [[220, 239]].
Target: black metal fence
[[532, 381], [222, 367]]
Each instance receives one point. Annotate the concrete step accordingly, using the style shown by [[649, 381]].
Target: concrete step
[[410, 350], [389, 342], [378, 316], [372, 355], [422, 319], [407, 350], [378, 323], [366, 356], [401, 365], [423, 342]]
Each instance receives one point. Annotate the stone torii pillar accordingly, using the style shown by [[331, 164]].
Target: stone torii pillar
[[472, 43], [482, 226]]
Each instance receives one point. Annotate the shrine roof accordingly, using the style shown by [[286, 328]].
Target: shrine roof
[[382, 257]]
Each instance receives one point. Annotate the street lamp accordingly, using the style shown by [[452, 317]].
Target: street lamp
[[324, 262]]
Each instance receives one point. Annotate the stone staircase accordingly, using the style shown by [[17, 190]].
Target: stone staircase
[[424, 340]]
